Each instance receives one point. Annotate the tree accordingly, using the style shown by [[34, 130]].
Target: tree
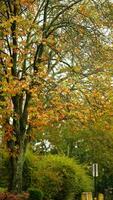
[[96, 149], [23, 76], [33, 38]]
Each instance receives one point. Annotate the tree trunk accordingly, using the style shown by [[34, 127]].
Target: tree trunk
[[18, 146], [16, 170]]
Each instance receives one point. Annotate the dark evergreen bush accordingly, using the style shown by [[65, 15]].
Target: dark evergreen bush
[[35, 194]]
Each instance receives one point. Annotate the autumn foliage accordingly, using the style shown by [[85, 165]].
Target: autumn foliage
[[53, 57]]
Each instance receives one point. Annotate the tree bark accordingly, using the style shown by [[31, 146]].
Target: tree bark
[[16, 170], [17, 147]]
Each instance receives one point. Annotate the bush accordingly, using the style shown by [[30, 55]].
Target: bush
[[35, 194], [59, 178], [10, 196]]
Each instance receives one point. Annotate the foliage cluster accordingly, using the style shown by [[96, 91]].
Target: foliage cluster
[[95, 146], [59, 177]]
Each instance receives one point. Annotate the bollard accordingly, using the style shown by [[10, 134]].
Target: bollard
[[100, 196], [90, 196], [86, 196]]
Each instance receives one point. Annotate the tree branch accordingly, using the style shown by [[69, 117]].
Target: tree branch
[[61, 12]]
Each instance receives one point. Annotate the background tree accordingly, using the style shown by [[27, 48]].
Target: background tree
[[86, 133]]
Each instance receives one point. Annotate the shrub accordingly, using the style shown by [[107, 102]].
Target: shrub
[[11, 196], [35, 194], [8, 196], [2, 196], [59, 178]]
